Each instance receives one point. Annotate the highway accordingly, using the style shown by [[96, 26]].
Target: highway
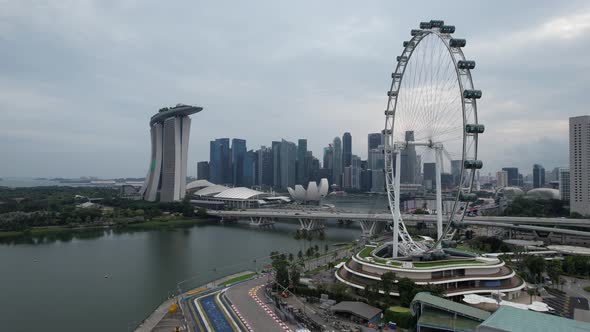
[[518, 223]]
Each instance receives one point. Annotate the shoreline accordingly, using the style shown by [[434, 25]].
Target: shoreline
[[162, 310], [144, 225]]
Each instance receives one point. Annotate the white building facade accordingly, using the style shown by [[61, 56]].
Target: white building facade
[[170, 132], [501, 179], [580, 164]]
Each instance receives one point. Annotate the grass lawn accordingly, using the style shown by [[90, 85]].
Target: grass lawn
[[444, 263], [44, 230], [8, 234], [587, 289], [398, 309], [236, 279], [366, 252]]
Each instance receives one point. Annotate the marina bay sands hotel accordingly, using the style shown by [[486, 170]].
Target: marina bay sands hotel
[[170, 132]]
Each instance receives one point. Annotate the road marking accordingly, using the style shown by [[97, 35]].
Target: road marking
[[202, 312], [226, 313], [254, 296], [241, 318], [196, 317]]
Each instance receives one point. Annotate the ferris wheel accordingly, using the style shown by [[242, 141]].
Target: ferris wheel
[[431, 119]]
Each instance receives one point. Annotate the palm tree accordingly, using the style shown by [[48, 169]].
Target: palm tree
[[531, 292]]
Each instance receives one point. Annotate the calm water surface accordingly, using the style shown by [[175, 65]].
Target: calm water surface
[[59, 283], [111, 280]]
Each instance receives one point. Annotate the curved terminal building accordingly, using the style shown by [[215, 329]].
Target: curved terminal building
[[170, 131], [458, 272]]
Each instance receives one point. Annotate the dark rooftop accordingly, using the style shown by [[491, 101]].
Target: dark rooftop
[[178, 110]]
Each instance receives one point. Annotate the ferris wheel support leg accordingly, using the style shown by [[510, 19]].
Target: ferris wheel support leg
[[439, 224], [396, 204]]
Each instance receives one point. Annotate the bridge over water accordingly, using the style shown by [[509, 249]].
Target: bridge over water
[[371, 222]]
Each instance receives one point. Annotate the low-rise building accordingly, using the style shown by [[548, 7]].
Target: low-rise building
[[459, 272]]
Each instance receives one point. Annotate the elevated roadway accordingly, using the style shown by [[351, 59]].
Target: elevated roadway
[[309, 219]]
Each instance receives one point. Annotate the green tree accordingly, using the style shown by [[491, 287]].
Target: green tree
[[554, 271], [294, 275], [387, 282], [300, 255], [536, 266], [531, 292], [280, 267], [339, 290], [407, 290], [291, 257]]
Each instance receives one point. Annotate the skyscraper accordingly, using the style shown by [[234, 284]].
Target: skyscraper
[[219, 161], [327, 163], [238, 153], [170, 132], [564, 183], [408, 161], [366, 181], [374, 140], [513, 176], [265, 167], [501, 179], [313, 168], [328, 156], [580, 164], [356, 172], [302, 177], [276, 164], [376, 159], [248, 168], [538, 176], [203, 170], [430, 175], [378, 181], [337, 162], [346, 149], [288, 161], [456, 166], [347, 177]]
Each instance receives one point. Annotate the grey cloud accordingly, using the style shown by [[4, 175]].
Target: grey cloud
[[81, 78]]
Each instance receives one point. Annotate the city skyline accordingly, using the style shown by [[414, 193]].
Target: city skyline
[[320, 58], [351, 171]]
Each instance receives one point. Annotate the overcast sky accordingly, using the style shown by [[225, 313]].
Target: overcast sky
[[80, 79]]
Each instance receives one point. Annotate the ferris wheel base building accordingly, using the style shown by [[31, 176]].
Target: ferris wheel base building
[[169, 132]]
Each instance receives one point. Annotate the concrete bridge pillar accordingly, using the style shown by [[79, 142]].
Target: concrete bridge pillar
[[311, 224], [262, 221], [369, 227]]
